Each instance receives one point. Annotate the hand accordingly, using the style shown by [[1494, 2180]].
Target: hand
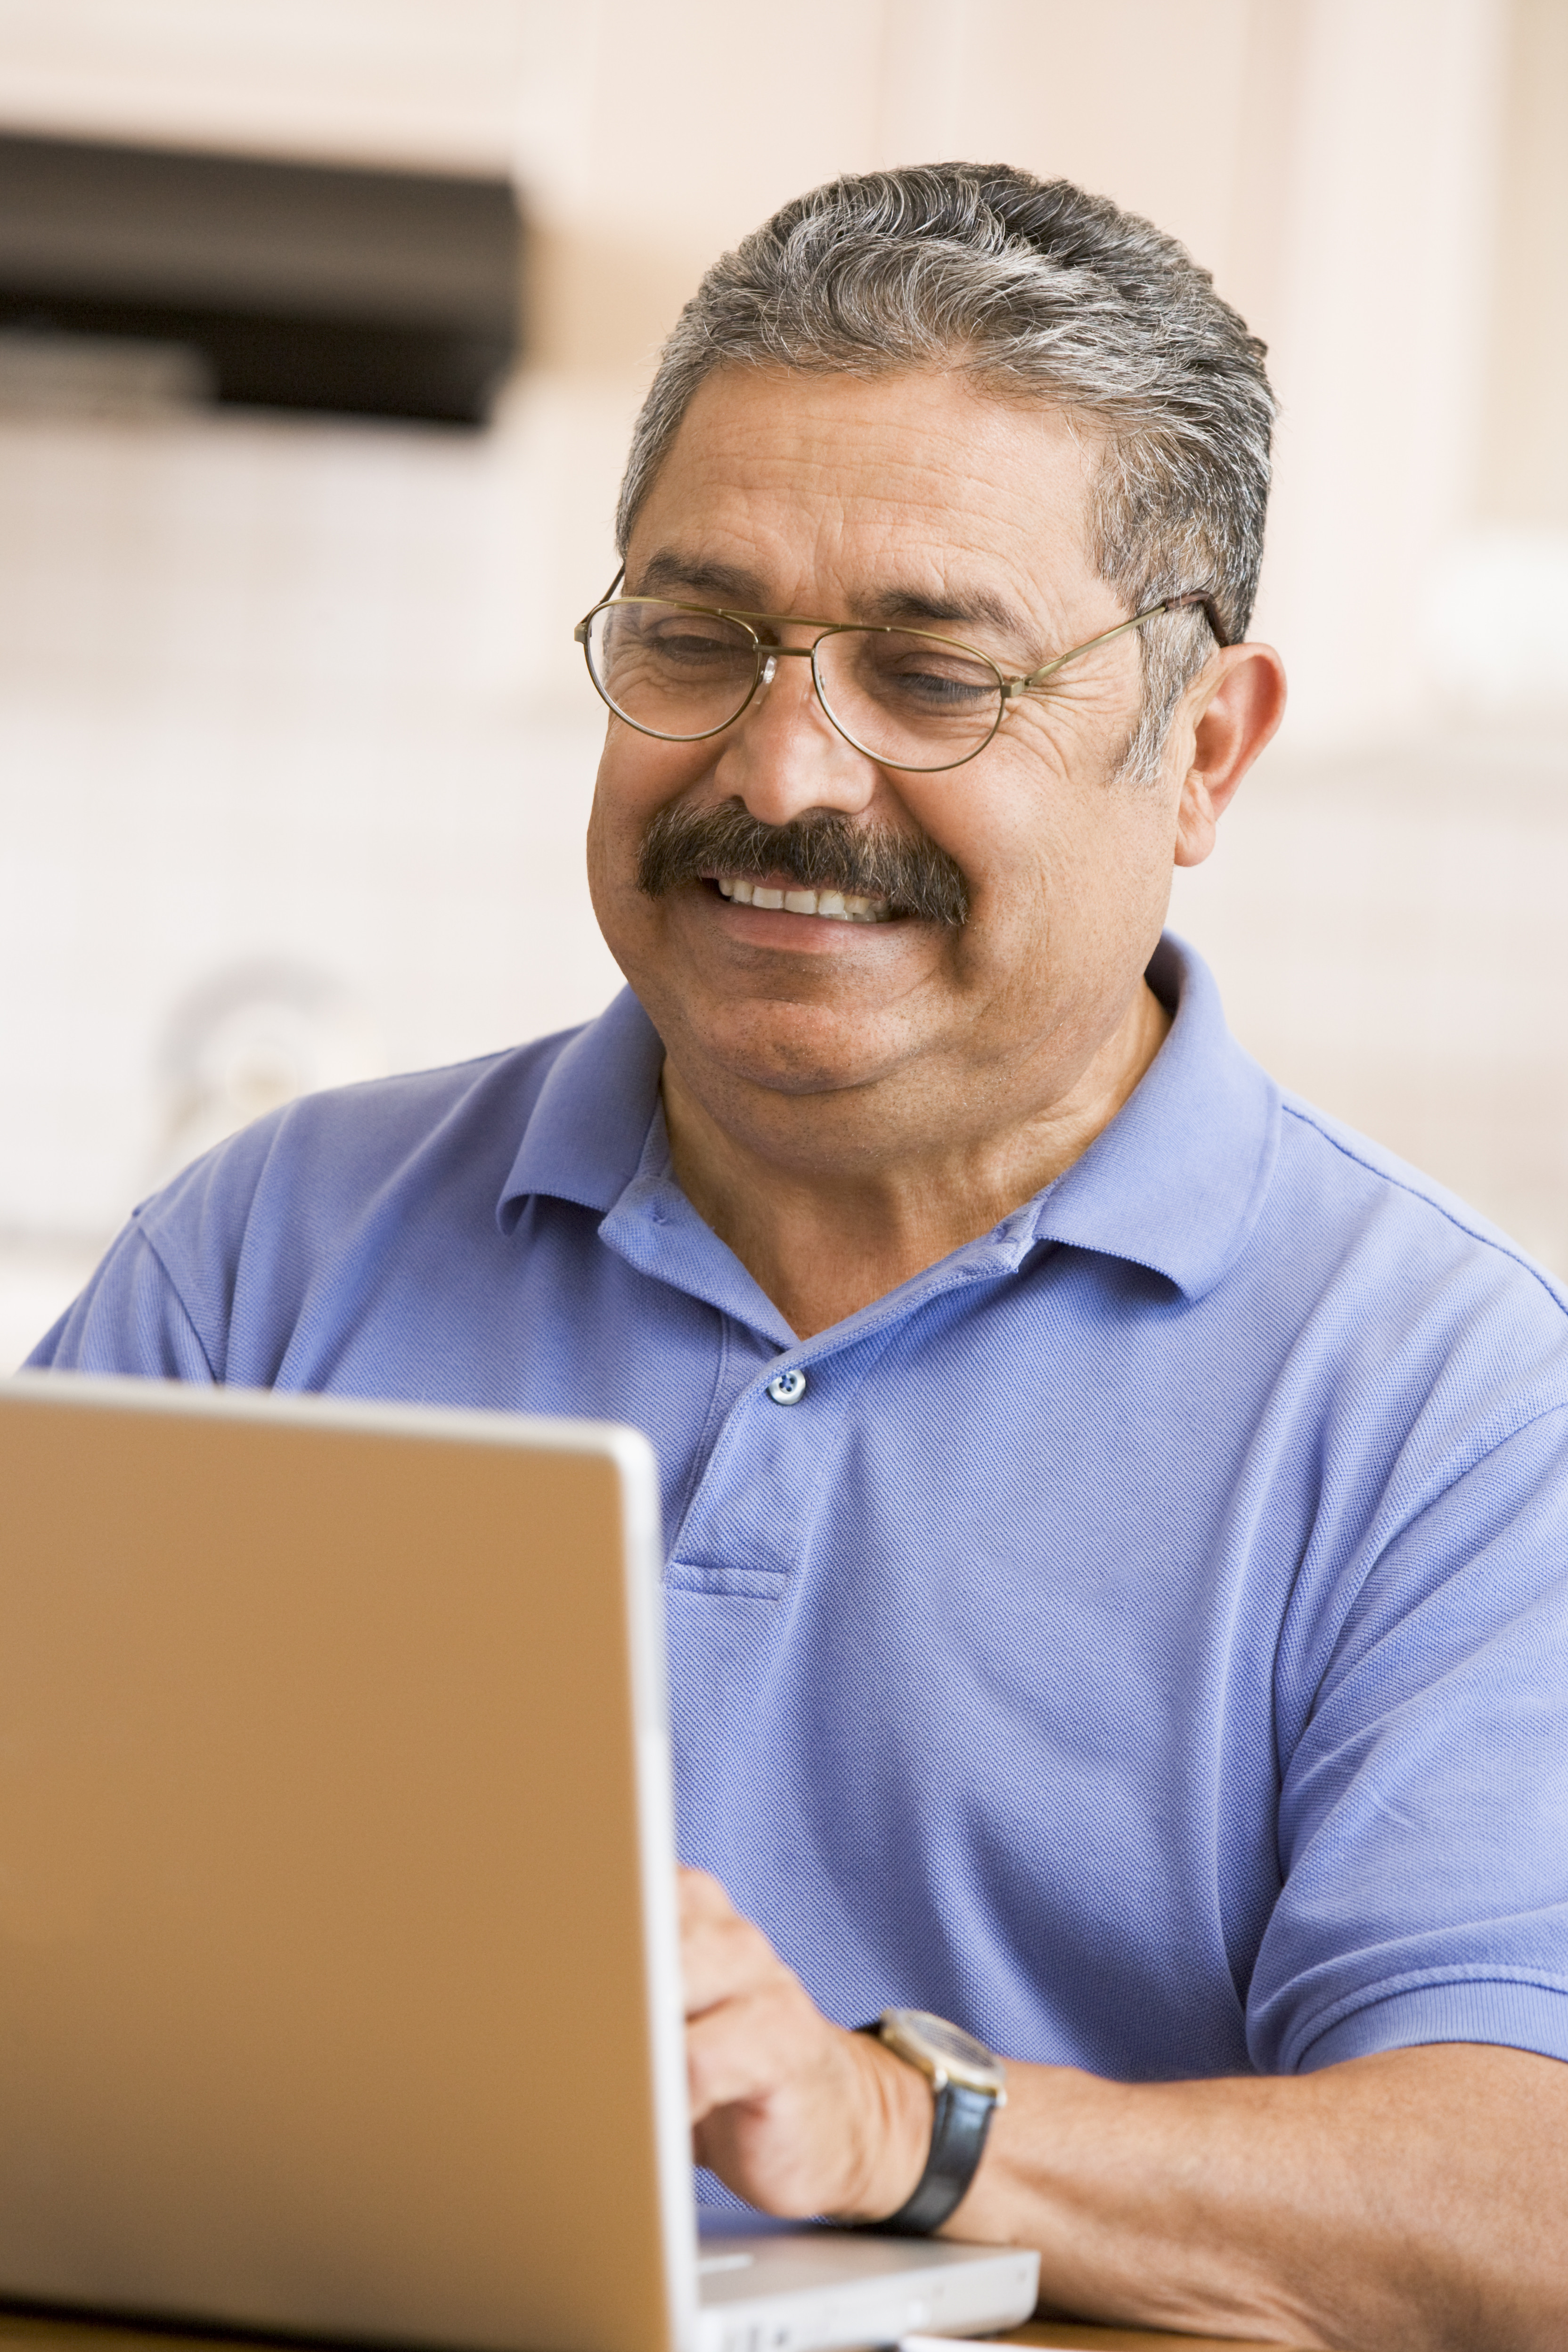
[[793, 2113]]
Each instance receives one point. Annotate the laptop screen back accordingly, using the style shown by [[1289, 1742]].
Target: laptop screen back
[[338, 1987]]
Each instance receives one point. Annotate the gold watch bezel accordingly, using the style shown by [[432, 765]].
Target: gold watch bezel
[[906, 2033]]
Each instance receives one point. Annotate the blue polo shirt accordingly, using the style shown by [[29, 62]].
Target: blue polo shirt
[[1141, 1639]]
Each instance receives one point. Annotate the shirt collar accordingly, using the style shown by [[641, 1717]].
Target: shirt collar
[[1174, 1183], [585, 1134]]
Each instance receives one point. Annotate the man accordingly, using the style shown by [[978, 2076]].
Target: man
[[1117, 1518]]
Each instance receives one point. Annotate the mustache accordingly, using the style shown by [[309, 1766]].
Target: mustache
[[821, 852]]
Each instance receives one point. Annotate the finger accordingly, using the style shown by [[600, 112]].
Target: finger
[[747, 2049], [700, 1895], [725, 1959]]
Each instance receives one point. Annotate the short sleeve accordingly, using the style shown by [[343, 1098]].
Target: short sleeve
[[129, 1319], [1423, 1806]]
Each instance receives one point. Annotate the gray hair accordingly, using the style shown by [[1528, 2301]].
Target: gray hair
[[1031, 286]]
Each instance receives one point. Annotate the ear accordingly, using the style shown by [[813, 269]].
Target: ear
[[1238, 703]]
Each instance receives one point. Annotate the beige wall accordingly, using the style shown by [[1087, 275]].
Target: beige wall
[[291, 706], [1524, 458]]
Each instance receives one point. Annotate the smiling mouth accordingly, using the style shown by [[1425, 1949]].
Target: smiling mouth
[[827, 906], [822, 864]]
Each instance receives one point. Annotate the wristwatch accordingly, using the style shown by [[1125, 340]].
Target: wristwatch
[[968, 2083]]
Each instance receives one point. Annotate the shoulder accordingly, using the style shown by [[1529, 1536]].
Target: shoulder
[[326, 1179], [376, 1132], [1409, 1339], [1359, 1202], [214, 1272]]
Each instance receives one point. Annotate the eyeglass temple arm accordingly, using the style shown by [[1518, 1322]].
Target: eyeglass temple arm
[[581, 630], [1170, 604], [1201, 597]]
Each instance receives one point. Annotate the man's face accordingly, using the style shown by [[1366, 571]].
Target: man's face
[[911, 498]]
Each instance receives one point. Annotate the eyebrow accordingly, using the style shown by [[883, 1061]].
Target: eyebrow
[[975, 604], [668, 571]]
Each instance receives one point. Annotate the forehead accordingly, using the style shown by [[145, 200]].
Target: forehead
[[794, 476]]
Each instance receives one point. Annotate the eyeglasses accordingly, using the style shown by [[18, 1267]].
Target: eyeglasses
[[904, 697]]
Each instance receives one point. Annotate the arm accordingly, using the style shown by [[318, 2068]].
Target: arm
[[1412, 2201]]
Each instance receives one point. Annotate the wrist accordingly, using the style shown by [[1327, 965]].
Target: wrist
[[895, 2108], [968, 2085]]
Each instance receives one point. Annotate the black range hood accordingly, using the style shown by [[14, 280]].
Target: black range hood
[[372, 293]]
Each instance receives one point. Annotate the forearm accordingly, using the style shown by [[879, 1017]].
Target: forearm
[[1405, 2203], [1412, 2202]]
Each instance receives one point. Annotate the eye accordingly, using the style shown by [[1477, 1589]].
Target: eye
[[692, 641], [941, 690], [918, 674]]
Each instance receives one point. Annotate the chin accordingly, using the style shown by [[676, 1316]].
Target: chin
[[792, 1048]]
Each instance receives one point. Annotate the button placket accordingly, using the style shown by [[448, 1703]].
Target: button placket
[[758, 1499], [753, 1507]]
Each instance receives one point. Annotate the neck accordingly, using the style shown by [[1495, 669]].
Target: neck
[[823, 1241]]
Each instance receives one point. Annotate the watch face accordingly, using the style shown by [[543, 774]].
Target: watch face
[[940, 2049]]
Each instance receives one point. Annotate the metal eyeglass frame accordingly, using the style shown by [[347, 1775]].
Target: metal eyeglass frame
[[1010, 688]]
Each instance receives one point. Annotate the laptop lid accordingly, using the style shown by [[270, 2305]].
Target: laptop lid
[[306, 2020]]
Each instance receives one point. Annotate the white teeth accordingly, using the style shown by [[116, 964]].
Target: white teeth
[[834, 906]]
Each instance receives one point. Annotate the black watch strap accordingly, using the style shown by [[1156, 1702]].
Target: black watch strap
[[959, 2127]]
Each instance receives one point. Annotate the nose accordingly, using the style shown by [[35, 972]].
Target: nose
[[783, 755]]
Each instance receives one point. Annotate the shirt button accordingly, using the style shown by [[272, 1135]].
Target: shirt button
[[788, 1388]]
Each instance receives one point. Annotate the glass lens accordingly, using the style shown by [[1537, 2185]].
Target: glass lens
[[671, 672], [914, 701]]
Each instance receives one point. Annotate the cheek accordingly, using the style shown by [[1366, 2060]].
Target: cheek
[[1008, 820], [1043, 847], [637, 777]]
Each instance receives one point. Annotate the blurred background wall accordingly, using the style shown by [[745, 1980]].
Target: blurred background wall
[[295, 749]]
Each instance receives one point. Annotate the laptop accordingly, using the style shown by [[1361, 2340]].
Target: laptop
[[339, 1985]]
